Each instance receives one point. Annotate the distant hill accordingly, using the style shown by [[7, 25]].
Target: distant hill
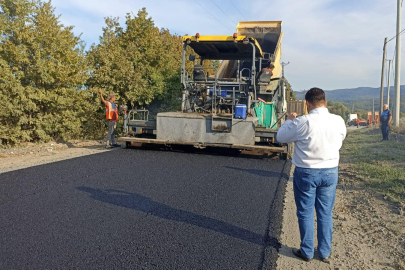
[[356, 93], [361, 97]]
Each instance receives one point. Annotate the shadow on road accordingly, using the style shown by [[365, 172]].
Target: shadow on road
[[260, 172], [209, 151], [144, 204]]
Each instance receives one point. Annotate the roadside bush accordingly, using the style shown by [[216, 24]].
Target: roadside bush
[[42, 67], [48, 83]]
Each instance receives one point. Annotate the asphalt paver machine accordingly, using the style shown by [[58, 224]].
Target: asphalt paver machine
[[239, 105]]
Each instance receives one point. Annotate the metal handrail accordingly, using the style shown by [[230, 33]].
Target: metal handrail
[[241, 73], [145, 114]]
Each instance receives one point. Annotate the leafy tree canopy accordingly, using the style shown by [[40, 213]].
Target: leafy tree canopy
[[41, 67], [339, 109], [139, 62]]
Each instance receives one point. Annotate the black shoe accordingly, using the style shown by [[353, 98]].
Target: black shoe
[[116, 145], [325, 260], [297, 253]]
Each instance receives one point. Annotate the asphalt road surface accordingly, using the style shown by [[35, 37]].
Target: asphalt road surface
[[142, 209]]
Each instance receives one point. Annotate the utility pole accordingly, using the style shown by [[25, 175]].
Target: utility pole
[[398, 67], [382, 75], [372, 116], [388, 83], [283, 65]]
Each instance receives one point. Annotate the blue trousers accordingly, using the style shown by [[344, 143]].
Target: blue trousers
[[385, 129], [315, 188]]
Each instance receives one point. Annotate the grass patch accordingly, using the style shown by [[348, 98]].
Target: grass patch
[[381, 164]]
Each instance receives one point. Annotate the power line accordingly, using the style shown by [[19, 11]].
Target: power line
[[396, 35], [223, 12], [238, 10], [212, 15]]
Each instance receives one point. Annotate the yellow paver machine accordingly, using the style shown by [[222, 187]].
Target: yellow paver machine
[[239, 105]]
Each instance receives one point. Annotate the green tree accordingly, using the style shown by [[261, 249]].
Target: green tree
[[290, 92], [338, 108], [139, 63], [42, 66], [361, 114]]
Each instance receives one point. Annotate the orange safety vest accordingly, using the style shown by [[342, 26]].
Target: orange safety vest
[[110, 112]]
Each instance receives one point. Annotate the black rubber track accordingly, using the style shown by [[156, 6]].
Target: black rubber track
[[142, 209]]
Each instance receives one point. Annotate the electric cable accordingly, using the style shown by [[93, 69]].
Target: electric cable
[[238, 10], [223, 12], [212, 15], [400, 33]]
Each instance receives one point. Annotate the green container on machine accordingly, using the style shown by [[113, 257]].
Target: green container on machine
[[266, 112]]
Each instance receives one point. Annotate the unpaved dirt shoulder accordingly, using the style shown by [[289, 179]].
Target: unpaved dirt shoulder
[[34, 155], [369, 230]]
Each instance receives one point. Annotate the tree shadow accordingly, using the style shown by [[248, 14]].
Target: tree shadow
[[147, 205]]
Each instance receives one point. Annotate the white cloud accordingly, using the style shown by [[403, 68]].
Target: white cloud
[[330, 43]]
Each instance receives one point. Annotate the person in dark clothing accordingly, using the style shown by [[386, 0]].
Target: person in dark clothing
[[385, 122]]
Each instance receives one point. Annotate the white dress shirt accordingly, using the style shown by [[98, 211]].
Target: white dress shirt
[[318, 138]]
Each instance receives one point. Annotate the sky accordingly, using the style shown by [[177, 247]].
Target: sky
[[331, 44]]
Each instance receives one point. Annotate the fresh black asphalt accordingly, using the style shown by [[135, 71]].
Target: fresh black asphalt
[[142, 209]]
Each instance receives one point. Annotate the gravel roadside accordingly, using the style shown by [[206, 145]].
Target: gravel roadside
[[369, 229], [37, 154]]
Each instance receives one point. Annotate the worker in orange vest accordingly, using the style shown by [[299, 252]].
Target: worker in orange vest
[[111, 114], [357, 122]]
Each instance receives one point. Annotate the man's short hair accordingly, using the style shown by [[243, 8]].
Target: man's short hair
[[271, 66], [110, 96], [315, 96]]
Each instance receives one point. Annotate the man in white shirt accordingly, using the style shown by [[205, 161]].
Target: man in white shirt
[[318, 138]]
